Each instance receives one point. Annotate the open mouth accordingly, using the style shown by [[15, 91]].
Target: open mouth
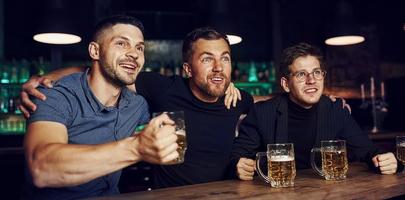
[[217, 79], [310, 90], [129, 67]]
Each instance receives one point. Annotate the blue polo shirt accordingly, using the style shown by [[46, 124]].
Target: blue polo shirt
[[72, 103]]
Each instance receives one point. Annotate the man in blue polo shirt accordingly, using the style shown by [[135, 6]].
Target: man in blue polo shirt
[[80, 137]]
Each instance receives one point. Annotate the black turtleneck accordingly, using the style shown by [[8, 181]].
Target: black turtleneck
[[301, 132]]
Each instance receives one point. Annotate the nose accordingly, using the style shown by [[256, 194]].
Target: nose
[[310, 79], [217, 66], [132, 53]]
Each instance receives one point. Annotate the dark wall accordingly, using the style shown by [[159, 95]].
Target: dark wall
[[395, 119]]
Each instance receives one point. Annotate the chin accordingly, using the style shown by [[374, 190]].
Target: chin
[[216, 92], [313, 100]]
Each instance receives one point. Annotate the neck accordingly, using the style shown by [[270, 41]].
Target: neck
[[105, 90], [201, 95]]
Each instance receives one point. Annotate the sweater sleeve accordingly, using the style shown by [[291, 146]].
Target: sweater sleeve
[[151, 84], [358, 142], [248, 142]]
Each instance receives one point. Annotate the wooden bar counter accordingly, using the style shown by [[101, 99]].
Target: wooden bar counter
[[361, 183]]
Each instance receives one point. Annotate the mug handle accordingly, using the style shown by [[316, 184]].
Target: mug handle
[[313, 164], [260, 172]]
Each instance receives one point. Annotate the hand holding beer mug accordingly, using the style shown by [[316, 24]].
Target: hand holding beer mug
[[178, 118], [280, 164], [334, 159], [401, 148]]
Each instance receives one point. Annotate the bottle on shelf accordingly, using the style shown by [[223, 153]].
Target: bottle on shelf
[[13, 74], [4, 100], [252, 73], [5, 76], [24, 72]]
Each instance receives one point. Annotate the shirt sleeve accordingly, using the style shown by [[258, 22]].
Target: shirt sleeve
[[145, 114], [56, 107]]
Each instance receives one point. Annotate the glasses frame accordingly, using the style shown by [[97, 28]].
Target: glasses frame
[[304, 78]]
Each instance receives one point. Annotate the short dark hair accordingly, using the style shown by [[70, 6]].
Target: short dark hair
[[299, 50], [113, 20], [206, 33]]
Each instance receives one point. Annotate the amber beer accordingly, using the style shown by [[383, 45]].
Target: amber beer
[[334, 164], [180, 130], [334, 159], [182, 146], [281, 171], [280, 165]]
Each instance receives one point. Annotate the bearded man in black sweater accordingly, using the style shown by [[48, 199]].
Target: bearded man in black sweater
[[304, 117]]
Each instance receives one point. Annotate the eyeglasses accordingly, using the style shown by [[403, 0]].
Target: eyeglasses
[[301, 76]]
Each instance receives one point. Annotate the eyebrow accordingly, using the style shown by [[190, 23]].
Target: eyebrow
[[305, 70], [211, 54], [127, 39]]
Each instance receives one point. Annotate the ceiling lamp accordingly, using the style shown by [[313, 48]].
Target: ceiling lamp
[[344, 40], [56, 26], [343, 31], [234, 39], [57, 38]]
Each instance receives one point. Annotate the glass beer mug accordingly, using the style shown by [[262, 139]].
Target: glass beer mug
[[400, 140], [334, 159], [280, 163], [180, 130]]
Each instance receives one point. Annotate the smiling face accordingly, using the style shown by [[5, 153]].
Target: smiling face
[[305, 93], [121, 53], [209, 69]]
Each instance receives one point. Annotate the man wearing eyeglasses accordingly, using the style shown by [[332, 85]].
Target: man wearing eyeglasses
[[304, 117]]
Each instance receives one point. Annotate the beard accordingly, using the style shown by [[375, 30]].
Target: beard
[[118, 77], [215, 90]]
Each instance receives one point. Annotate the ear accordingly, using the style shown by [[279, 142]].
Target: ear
[[284, 84], [187, 69], [94, 50]]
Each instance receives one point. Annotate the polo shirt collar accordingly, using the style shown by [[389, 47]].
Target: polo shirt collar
[[95, 104]]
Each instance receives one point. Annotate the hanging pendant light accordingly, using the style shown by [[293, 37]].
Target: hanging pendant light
[[55, 27], [344, 30]]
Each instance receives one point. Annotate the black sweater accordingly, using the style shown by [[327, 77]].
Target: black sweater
[[301, 132], [210, 129]]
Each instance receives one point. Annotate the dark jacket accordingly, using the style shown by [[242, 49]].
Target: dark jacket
[[267, 122]]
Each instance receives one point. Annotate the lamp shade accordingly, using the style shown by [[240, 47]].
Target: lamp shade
[[344, 40], [221, 19], [57, 38], [343, 30], [234, 39], [55, 26]]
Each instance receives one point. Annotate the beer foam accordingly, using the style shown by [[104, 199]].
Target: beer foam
[[281, 158]]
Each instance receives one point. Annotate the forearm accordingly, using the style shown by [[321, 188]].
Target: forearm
[[58, 74], [59, 165]]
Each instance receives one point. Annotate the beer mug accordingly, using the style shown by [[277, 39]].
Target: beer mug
[[334, 159], [280, 164], [180, 130], [400, 140]]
